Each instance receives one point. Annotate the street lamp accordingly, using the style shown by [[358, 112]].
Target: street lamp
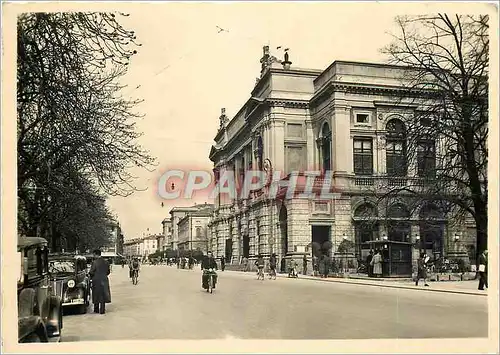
[[344, 238]]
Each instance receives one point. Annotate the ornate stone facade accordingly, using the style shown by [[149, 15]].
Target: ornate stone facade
[[303, 120]]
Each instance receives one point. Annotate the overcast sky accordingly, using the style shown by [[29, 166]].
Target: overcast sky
[[187, 71]]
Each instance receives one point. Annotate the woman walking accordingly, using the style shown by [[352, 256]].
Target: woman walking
[[377, 264]]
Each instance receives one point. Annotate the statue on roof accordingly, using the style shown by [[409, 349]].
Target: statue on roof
[[223, 119], [267, 60]]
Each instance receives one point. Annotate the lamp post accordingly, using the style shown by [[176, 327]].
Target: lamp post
[[344, 238]]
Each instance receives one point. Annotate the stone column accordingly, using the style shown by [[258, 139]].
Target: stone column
[[251, 231], [265, 229], [311, 145], [235, 237], [299, 228], [343, 221], [341, 140], [278, 133]]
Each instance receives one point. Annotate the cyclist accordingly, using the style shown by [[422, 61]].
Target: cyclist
[[134, 267], [260, 266], [272, 266], [208, 265]]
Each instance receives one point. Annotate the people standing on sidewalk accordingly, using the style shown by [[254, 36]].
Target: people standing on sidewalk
[[272, 266], [315, 265], [222, 263], [369, 266], [304, 265], [101, 293], [422, 268], [324, 266], [376, 264], [483, 270]]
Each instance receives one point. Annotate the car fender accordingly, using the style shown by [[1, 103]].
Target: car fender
[[31, 324], [26, 302], [55, 319]]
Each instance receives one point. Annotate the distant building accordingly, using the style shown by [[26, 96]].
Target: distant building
[[176, 215], [167, 234], [116, 240], [192, 228], [143, 246]]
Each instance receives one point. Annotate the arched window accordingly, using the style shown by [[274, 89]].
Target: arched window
[[399, 227], [365, 226], [431, 229], [396, 156], [326, 147]]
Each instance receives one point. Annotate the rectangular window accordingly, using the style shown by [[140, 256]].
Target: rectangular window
[[362, 118], [426, 159], [363, 156], [295, 158], [396, 158], [294, 130]]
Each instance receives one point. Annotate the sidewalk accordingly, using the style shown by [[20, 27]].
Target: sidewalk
[[457, 287]]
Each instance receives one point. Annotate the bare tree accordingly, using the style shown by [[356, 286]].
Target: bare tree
[[446, 140], [75, 128]]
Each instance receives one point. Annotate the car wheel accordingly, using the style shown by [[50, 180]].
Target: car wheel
[[33, 338], [83, 309]]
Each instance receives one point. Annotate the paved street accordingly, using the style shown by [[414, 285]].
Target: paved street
[[169, 304]]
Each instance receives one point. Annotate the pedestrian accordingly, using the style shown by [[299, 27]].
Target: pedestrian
[[315, 265], [245, 264], [304, 265], [322, 265], [376, 264], [101, 293], [483, 270], [369, 267], [422, 269], [222, 263]]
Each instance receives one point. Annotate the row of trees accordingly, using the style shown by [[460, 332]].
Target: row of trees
[[76, 137]]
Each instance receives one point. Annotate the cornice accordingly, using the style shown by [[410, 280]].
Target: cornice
[[361, 88]]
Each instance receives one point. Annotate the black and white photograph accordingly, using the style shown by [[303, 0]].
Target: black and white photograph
[[248, 172]]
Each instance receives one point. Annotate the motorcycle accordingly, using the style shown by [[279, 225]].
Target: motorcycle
[[211, 279]]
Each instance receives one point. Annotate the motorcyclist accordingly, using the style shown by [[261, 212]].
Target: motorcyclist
[[208, 265], [260, 265], [134, 266]]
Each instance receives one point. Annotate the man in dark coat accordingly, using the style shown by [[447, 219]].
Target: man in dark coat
[[101, 293], [222, 263], [369, 266], [483, 270], [207, 264]]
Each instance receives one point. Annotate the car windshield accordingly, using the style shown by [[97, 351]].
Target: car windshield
[[57, 267]]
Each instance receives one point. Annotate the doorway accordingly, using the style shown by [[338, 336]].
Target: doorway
[[246, 246], [321, 240], [283, 222], [229, 250]]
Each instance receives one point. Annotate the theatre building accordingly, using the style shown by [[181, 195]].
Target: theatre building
[[347, 119]]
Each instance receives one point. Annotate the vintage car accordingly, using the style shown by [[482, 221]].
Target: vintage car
[[39, 308], [68, 272]]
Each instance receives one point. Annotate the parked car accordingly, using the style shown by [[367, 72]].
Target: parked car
[[68, 273], [39, 308]]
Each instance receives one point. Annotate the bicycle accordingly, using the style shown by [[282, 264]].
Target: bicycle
[[211, 281], [135, 276], [272, 273], [260, 274]]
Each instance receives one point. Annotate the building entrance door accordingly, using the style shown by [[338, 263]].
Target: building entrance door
[[246, 246], [320, 240], [229, 250]]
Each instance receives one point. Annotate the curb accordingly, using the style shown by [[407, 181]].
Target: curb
[[459, 292]]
